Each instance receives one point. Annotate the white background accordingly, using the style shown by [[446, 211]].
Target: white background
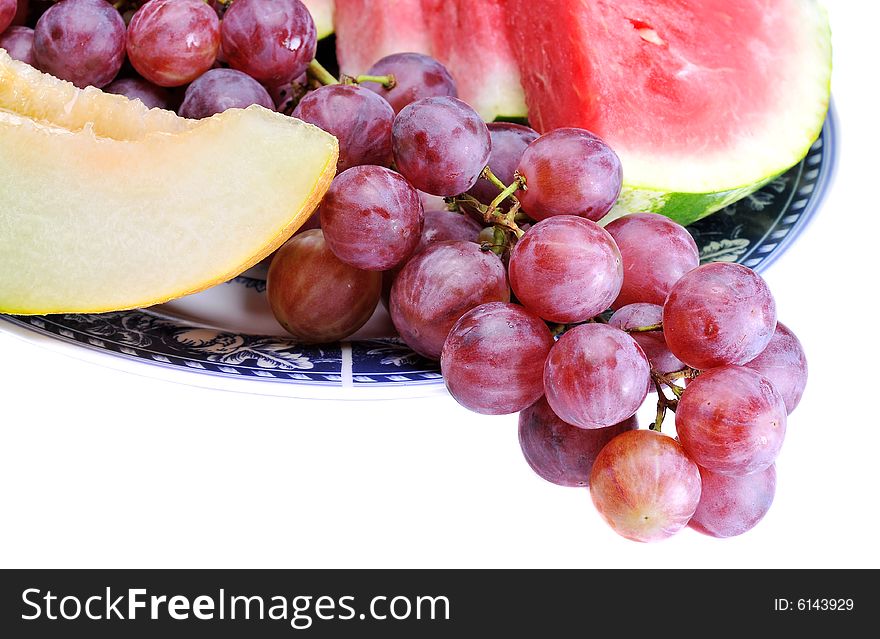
[[100, 468]]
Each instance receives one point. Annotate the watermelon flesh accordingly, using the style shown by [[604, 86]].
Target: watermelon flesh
[[471, 40], [705, 101], [369, 30], [468, 37]]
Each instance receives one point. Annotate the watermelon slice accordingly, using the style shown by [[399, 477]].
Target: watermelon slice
[[470, 39], [322, 14], [368, 30], [705, 101]]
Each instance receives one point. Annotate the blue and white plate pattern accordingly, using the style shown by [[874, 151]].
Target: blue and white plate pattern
[[228, 334]]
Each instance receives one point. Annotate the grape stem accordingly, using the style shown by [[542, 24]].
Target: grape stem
[[322, 75], [387, 81], [663, 402], [645, 329]]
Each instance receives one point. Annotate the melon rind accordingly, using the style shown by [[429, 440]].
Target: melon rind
[[792, 141], [322, 14]]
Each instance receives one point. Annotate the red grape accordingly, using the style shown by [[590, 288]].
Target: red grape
[[731, 420], [566, 269], [509, 141], [221, 89], [569, 172], [359, 119], [719, 314], [441, 145], [730, 506], [653, 343], [372, 218], [656, 253], [784, 363], [596, 376], [81, 41], [19, 44], [273, 41], [151, 95], [314, 296], [559, 452], [645, 486], [438, 286], [442, 225], [493, 359], [8, 9], [416, 76], [172, 42]]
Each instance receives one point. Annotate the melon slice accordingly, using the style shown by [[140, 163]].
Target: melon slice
[[704, 102], [47, 99], [128, 218], [367, 31], [322, 14], [470, 38]]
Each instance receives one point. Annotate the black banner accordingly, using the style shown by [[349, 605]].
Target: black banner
[[334, 603]]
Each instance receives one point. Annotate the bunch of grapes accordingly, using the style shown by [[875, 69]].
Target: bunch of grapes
[[484, 242]]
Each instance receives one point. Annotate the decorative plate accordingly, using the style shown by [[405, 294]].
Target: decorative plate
[[226, 338]]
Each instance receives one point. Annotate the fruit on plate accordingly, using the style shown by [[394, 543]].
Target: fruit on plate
[[470, 40], [99, 213], [322, 14], [704, 102], [367, 31]]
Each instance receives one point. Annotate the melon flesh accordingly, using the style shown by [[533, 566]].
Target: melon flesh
[[322, 14], [47, 99], [470, 38], [131, 218], [369, 30], [704, 102]]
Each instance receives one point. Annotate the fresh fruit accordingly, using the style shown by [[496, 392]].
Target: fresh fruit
[[730, 506], [19, 44], [471, 40], [358, 118], [731, 420], [653, 343], [656, 253], [322, 14], [94, 224], [367, 31], [644, 485], [272, 41], [509, 142], [372, 218], [596, 376], [439, 285], [440, 145], [561, 453], [172, 42], [442, 225], [784, 363], [7, 13], [416, 76], [220, 89], [566, 269], [152, 96], [314, 296], [569, 172], [27, 92], [493, 358], [704, 102], [82, 41], [719, 314]]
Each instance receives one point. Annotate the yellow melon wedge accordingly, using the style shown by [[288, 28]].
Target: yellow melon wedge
[[89, 223], [45, 98]]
